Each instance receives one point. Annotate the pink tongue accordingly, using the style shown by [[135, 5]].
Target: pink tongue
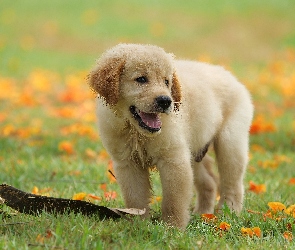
[[151, 120]]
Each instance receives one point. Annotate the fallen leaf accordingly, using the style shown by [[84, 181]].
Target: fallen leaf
[[257, 231], [257, 148], [288, 236], [79, 196], [224, 226], [208, 217], [35, 190], [40, 238], [268, 214], [66, 146], [93, 197], [131, 211], [103, 187], [292, 181], [261, 125], [34, 204], [90, 153], [257, 188], [276, 206], [111, 195], [290, 210]]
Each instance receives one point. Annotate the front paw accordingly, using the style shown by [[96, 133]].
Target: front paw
[[176, 218], [234, 203]]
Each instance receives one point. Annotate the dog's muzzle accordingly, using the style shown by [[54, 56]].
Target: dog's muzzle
[[151, 120]]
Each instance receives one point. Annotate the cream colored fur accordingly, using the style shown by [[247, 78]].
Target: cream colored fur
[[209, 106]]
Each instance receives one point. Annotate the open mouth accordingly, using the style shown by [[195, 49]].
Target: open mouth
[[148, 121]]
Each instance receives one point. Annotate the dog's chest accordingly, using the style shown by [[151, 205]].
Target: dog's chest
[[135, 148]]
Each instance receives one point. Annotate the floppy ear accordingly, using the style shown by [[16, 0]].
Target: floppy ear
[[105, 78], [176, 92]]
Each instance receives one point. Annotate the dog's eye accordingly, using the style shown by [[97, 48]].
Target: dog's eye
[[141, 79], [167, 82]]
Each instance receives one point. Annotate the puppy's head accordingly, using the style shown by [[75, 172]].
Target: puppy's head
[[139, 82]]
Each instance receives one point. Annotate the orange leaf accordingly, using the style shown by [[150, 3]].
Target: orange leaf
[[94, 197], [290, 210], [224, 226], [27, 98], [79, 129], [70, 95], [65, 112], [261, 125], [43, 191], [253, 212], [103, 155], [268, 214], [48, 234], [257, 148], [257, 188], [282, 158], [40, 238], [90, 153], [276, 206], [288, 236], [66, 146], [209, 217], [35, 190], [79, 196], [110, 195], [268, 164], [247, 231], [8, 130], [158, 198], [103, 187], [155, 199], [257, 231], [3, 117], [292, 181]]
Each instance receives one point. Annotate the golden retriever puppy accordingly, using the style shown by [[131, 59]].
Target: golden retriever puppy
[[154, 110]]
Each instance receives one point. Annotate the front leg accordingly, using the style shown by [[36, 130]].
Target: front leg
[[135, 185], [177, 184]]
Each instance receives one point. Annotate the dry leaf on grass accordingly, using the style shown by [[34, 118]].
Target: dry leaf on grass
[[33, 204]]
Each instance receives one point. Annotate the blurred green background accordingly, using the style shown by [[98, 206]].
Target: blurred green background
[[68, 35], [47, 49]]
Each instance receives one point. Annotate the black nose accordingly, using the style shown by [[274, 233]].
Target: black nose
[[163, 102]]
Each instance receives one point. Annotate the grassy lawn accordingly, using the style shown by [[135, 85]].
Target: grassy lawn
[[48, 139]]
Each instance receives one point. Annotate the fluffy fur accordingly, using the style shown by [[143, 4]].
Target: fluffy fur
[[155, 110]]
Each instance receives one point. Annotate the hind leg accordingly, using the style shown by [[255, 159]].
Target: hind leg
[[231, 148], [206, 184]]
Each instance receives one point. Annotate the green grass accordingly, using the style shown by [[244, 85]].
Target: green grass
[[57, 42]]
